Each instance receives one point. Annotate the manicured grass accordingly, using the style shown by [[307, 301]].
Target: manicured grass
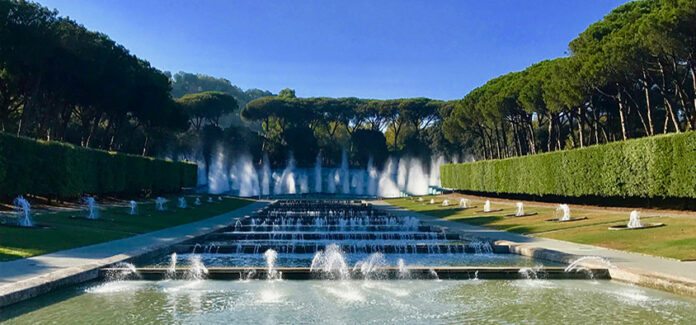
[[675, 240], [114, 223]]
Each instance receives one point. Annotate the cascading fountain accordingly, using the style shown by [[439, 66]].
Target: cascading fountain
[[160, 203], [182, 203], [92, 207], [133, 208], [23, 212]]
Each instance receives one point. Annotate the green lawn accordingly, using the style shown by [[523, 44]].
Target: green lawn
[[675, 240], [114, 223]]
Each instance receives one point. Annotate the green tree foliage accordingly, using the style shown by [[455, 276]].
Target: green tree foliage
[[207, 107], [632, 74], [61, 81]]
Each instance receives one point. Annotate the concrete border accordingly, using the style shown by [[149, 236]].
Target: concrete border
[[88, 262]]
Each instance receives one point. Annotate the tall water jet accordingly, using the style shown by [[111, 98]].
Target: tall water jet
[[23, 211], [171, 270], [285, 184], [434, 176], [266, 177], [372, 267], [464, 203], [196, 269], [160, 203], [404, 272], [487, 206], [345, 173], [248, 177], [372, 178], [634, 220], [402, 174], [358, 182], [417, 183], [564, 211], [386, 186], [133, 208], [520, 209], [218, 176], [334, 178], [303, 182], [182, 203], [92, 207], [271, 256], [330, 263], [317, 175]]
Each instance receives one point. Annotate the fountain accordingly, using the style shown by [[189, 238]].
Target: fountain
[[420, 199], [197, 201], [317, 175], [562, 214], [271, 256], [372, 267], [445, 203], [219, 198], [404, 272], [520, 209], [330, 264], [487, 206], [635, 223], [196, 269], [160, 203], [182, 203], [23, 211], [432, 201], [171, 270], [464, 203], [92, 207], [133, 208], [210, 199]]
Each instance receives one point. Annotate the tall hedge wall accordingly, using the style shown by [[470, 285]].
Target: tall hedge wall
[[651, 167], [63, 170]]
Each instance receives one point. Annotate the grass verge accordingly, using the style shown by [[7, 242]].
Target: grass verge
[[677, 239], [65, 231]]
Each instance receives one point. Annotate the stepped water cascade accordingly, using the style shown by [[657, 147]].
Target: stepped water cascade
[[23, 211], [160, 203], [92, 208], [133, 208]]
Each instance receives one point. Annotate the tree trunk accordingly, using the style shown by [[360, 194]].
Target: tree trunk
[[580, 131], [619, 98], [550, 139], [646, 87]]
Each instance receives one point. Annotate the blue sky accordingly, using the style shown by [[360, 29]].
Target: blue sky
[[364, 48]]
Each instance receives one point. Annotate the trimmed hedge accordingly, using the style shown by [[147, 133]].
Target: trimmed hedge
[[652, 167], [63, 170]]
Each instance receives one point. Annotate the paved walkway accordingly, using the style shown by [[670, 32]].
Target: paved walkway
[[24, 274], [637, 265]]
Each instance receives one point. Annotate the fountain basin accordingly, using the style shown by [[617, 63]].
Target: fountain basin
[[569, 220], [645, 226], [512, 215]]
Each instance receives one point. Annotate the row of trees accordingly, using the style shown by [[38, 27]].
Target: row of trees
[[61, 81], [366, 127], [629, 75]]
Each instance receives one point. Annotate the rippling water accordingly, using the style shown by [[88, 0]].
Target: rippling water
[[350, 302]]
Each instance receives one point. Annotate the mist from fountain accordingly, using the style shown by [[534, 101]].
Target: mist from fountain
[[345, 173], [317, 175], [23, 211], [330, 263]]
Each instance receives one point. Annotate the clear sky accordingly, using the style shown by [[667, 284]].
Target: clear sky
[[365, 48]]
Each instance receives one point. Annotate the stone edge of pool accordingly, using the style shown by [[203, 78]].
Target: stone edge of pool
[[22, 290]]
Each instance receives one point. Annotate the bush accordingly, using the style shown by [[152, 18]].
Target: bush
[[63, 170], [652, 167]]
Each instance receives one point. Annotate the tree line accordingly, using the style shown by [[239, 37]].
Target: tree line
[[630, 75], [365, 127]]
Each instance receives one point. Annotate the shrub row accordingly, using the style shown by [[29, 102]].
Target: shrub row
[[651, 167], [63, 170]]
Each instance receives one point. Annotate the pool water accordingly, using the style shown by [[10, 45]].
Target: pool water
[[356, 301]]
